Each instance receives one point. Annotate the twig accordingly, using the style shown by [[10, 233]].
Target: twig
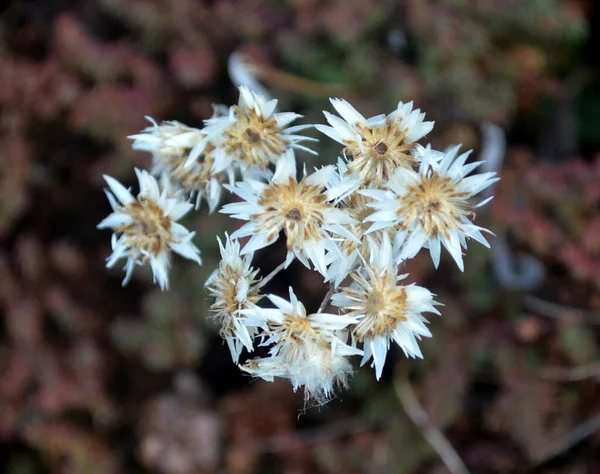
[[326, 299], [557, 311], [575, 436], [290, 82], [571, 374], [433, 435], [271, 275]]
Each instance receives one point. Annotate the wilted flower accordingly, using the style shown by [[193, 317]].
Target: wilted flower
[[233, 285], [167, 141], [198, 181], [431, 207], [307, 349], [378, 146], [304, 210], [171, 144], [384, 309], [145, 228]]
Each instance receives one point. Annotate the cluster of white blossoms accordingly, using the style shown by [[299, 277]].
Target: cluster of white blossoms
[[354, 223]]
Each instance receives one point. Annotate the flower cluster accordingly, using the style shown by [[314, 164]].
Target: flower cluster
[[354, 223]]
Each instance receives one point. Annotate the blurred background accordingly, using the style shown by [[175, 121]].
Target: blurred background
[[96, 378]]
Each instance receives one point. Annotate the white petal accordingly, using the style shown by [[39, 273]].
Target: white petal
[[379, 349], [115, 219], [258, 241], [285, 168], [285, 306], [320, 177], [349, 113], [120, 192], [435, 250], [160, 270], [187, 250], [179, 210]]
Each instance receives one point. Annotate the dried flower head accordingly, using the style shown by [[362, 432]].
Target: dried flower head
[[307, 349], [234, 286], [384, 309], [253, 134], [378, 146], [168, 141], [431, 207], [171, 144], [145, 228], [303, 210], [198, 181]]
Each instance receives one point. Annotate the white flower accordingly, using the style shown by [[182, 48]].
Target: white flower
[[252, 134], [384, 309], [145, 228], [306, 349], [233, 285], [198, 180], [320, 373], [290, 328], [431, 207], [171, 143], [167, 141], [378, 146], [304, 210]]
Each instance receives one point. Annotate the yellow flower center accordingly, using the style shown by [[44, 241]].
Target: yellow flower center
[[380, 151], [254, 140], [382, 302], [297, 208], [295, 333], [381, 148], [436, 203], [150, 229]]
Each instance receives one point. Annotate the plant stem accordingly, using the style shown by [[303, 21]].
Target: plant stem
[[271, 275], [420, 418], [323, 304]]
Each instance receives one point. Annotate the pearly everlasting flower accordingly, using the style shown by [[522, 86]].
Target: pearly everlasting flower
[[234, 286], [378, 146], [303, 210], [167, 141], [319, 373], [252, 134], [385, 310], [306, 349], [431, 207], [171, 143], [145, 228], [198, 181]]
